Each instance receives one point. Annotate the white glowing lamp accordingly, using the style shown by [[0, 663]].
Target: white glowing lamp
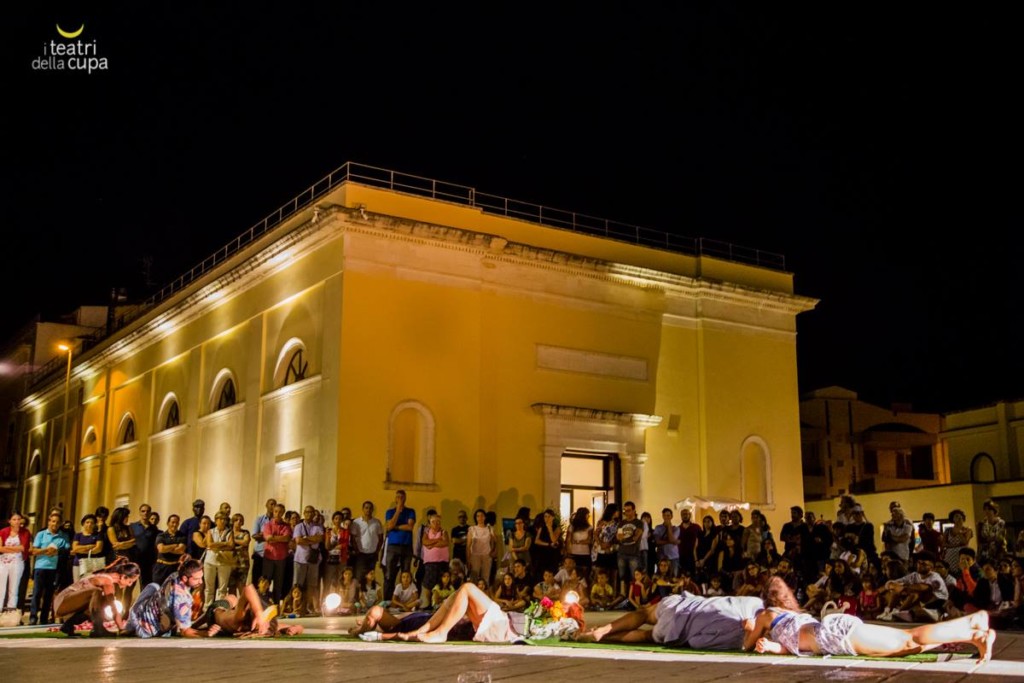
[[571, 598], [332, 602]]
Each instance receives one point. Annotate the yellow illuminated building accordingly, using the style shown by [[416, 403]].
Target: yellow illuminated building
[[387, 332]]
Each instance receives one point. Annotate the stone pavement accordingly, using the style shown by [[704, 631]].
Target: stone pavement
[[57, 660]]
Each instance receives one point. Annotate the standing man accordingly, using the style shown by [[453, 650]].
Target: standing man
[[190, 526], [399, 523], [260, 542], [277, 534], [628, 537], [666, 538], [797, 537], [308, 536], [367, 535], [46, 548], [145, 533], [897, 533], [459, 533], [689, 537]]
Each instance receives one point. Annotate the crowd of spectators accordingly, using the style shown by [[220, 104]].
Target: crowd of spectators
[[918, 572]]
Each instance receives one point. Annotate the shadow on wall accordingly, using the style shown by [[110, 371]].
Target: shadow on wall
[[506, 504]]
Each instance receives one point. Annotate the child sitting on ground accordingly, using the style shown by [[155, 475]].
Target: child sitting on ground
[[407, 596], [868, 598], [638, 590], [291, 606], [547, 588], [442, 590], [370, 591], [349, 592], [602, 594], [715, 588]]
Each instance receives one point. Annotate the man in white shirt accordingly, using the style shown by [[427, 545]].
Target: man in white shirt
[[367, 538], [922, 593]]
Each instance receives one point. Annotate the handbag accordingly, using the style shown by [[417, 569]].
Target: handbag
[[90, 565], [314, 550], [831, 607]]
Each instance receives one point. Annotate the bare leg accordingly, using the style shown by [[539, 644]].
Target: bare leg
[[625, 629], [973, 629], [468, 601]]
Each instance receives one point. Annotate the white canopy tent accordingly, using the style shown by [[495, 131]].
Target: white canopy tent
[[718, 504]]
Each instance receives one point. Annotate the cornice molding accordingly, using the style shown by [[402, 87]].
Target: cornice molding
[[575, 413]]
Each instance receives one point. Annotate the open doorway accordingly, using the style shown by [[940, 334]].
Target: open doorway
[[589, 480]]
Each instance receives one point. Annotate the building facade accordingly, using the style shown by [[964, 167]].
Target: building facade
[[378, 336]]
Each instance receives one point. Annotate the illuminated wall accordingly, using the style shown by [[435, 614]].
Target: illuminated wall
[[422, 345]]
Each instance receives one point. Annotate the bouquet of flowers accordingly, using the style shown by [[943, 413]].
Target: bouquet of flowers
[[554, 619]]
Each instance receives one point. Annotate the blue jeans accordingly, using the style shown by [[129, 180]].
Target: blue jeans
[[397, 559], [627, 565], [43, 583]]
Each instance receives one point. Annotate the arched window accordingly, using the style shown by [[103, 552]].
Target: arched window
[[227, 395], [983, 469], [224, 394], [292, 364], [411, 444], [126, 433], [297, 368], [755, 472], [170, 413], [89, 442]]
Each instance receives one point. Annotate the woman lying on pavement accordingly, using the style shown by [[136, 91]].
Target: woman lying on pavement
[[488, 622], [391, 627], [784, 628]]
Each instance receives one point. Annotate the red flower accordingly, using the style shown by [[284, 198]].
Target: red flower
[[546, 602]]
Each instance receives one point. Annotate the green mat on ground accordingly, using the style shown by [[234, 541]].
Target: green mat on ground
[[943, 656]]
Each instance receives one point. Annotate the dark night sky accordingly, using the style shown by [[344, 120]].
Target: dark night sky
[[874, 148]]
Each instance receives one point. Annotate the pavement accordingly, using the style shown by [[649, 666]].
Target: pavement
[[82, 660]]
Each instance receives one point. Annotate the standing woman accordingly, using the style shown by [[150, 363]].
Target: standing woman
[[647, 556], [122, 540], [605, 533], [705, 544], [954, 538], [219, 560], [481, 547], [14, 544], [519, 542], [338, 539], [242, 539], [87, 549], [581, 542], [991, 533], [170, 546], [547, 544]]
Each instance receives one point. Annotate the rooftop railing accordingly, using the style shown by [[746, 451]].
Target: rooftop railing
[[396, 181]]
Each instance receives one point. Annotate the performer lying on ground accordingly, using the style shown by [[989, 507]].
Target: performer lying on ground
[[684, 620], [391, 627], [91, 596], [784, 628], [489, 623], [245, 617]]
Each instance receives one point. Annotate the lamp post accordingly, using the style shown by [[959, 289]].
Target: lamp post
[[64, 422]]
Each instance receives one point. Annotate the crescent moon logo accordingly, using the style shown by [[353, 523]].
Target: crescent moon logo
[[70, 34]]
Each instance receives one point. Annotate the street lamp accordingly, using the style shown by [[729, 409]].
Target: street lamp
[[66, 348]]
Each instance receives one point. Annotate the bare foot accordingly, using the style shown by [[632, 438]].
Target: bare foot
[[979, 621], [433, 637], [985, 642], [594, 635]]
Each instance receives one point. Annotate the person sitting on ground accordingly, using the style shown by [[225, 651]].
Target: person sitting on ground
[[783, 628], [639, 593], [506, 595], [602, 593], [348, 591], [547, 587], [441, 590], [293, 603], [168, 609], [369, 594], [923, 592], [91, 597], [683, 620], [407, 596], [715, 589], [753, 580]]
